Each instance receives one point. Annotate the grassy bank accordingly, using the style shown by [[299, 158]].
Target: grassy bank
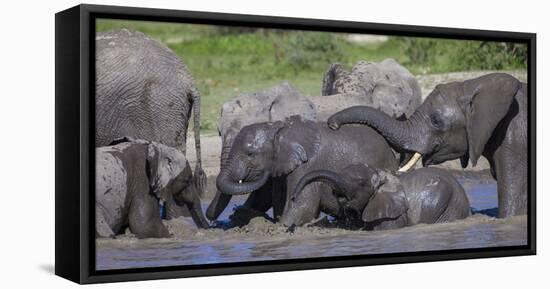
[[228, 61]]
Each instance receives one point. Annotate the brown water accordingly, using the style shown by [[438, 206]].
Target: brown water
[[262, 240]]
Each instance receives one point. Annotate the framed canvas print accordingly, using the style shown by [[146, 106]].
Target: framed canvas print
[[194, 144]]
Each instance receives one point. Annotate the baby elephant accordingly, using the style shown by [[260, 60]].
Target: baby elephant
[[383, 200], [132, 178]]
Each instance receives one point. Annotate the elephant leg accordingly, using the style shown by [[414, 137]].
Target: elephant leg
[[260, 200], [144, 218], [305, 207], [256, 205], [278, 197], [102, 228], [511, 175], [173, 211]]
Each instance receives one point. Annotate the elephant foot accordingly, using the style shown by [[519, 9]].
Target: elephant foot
[[291, 229]]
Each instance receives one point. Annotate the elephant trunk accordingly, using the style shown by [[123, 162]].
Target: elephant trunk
[[329, 177], [195, 209], [402, 135], [227, 186], [220, 201]]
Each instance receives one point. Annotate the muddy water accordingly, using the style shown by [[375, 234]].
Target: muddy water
[[262, 240]]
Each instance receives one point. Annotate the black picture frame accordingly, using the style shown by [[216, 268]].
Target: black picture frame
[[74, 148]]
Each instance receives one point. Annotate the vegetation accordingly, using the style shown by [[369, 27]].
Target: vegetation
[[227, 61]]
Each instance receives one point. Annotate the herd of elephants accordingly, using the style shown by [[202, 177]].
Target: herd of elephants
[[349, 153]]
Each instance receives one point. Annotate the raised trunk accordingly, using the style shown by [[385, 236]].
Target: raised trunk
[[227, 186], [402, 135], [331, 178]]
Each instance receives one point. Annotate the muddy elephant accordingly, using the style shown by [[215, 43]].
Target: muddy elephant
[[484, 116], [283, 151], [133, 179], [386, 85], [377, 199], [143, 90], [273, 104]]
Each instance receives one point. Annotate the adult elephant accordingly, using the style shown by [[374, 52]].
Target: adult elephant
[[143, 90], [376, 199], [284, 151], [482, 116], [273, 104]]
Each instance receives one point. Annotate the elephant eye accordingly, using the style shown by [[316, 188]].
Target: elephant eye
[[169, 164], [437, 122]]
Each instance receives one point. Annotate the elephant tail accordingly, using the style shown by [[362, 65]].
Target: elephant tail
[[196, 105]]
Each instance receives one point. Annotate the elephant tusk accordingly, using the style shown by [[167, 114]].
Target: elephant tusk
[[240, 181], [410, 163]]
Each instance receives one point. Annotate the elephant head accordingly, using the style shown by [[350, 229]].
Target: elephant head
[[353, 187], [170, 176], [273, 104], [364, 193], [455, 121], [263, 150]]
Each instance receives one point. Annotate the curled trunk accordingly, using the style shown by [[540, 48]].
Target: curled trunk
[[227, 186], [331, 178]]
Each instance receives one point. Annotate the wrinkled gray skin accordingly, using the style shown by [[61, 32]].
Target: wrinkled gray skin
[[143, 90], [481, 116], [283, 152], [132, 178], [387, 86], [382, 200], [273, 104]]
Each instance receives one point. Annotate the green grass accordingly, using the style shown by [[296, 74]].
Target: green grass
[[226, 61]]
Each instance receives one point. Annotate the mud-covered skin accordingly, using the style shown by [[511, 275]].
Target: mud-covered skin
[[382, 200], [465, 120], [272, 104], [386, 85], [288, 150], [143, 90], [132, 178]]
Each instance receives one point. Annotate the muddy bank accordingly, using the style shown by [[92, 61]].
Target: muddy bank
[[264, 240]]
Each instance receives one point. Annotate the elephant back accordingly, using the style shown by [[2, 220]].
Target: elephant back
[[143, 90], [272, 104], [386, 85]]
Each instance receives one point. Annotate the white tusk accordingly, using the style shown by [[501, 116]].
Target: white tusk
[[240, 181], [410, 163]]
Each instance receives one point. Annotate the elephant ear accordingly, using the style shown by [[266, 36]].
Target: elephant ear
[[295, 143], [388, 203], [486, 101], [330, 77]]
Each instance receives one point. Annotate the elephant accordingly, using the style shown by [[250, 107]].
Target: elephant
[[143, 90], [464, 120], [279, 153], [133, 178], [273, 104], [386, 85], [379, 199]]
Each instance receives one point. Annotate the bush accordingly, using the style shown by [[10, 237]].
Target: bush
[[441, 55], [307, 48]]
